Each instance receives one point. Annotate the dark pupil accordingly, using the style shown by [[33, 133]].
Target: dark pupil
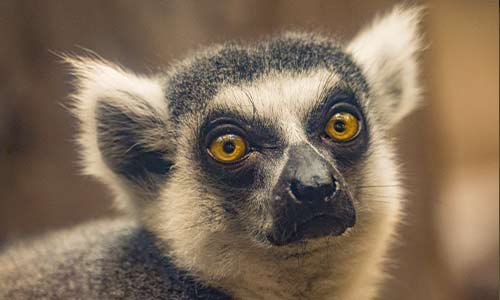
[[228, 147], [339, 126]]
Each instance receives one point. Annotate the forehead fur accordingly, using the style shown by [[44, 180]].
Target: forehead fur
[[284, 99], [200, 79], [277, 92]]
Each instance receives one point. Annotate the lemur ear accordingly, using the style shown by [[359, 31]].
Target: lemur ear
[[124, 128], [387, 53]]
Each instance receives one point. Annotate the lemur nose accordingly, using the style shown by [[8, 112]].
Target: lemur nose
[[316, 188]]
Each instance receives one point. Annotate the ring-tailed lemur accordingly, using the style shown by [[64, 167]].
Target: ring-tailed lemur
[[259, 171]]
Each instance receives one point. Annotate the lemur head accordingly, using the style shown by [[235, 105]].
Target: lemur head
[[259, 146]]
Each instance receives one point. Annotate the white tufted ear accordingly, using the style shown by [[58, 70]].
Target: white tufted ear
[[387, 53], [123, 127]]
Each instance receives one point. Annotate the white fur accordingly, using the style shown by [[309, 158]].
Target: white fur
[[99, 80], [387, 52], [280, 97]]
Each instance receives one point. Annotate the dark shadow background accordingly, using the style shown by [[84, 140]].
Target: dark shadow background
[[449, 243]]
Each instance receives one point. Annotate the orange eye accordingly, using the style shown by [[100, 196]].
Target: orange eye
[[228, 148], [342, 126]]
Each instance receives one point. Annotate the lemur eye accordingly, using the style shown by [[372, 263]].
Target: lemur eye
[[228, 148], [342, 126]]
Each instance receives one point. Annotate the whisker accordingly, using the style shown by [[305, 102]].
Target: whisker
[[379, 186], [377, 194], [382, 195], [381, 202]]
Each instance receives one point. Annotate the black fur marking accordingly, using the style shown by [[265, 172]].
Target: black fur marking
[[319, 115], [119, 140], [259, 132], [347, 153], [263, 141], [190, 89]]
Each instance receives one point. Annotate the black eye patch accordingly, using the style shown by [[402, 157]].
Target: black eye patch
[[328, 99], [339, 99], [259, 132], [263, 140]]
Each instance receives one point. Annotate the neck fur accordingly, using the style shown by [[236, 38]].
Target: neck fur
[[343, 267]]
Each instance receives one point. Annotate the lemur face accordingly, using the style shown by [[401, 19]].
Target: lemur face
[[282, 155], [268, 144]]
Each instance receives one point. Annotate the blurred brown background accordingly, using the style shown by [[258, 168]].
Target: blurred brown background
[[449, 244]]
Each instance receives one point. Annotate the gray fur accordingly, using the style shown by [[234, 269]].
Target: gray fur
[[111, 259], [199, 79]]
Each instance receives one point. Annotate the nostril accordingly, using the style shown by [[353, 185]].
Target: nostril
[[294, 188], [315, 191], [299, 190]]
